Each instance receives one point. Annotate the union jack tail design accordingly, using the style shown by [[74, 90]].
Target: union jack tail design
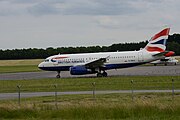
[[158, 42]]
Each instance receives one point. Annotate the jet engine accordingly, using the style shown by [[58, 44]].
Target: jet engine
[[80, 70]]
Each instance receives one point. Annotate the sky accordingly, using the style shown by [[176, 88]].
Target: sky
[[65, 23]]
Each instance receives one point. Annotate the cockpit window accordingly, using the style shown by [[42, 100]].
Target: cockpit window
[[52, 60], [46, 60]]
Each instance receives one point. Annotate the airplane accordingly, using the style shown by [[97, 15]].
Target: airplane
[[165, 61], [98, 63]]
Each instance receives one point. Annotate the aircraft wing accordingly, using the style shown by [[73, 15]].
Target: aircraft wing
[[96, 63]]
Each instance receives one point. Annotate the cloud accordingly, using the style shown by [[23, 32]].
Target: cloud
[[108, 22], [29, 7], [70, 7], [85, 7], [42, 9], [99, 7]]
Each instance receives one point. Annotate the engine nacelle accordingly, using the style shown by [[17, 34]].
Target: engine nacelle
[[80, 70]]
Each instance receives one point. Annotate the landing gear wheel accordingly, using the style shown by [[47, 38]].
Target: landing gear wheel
[[104, 74], [58, 75], [99, 74]]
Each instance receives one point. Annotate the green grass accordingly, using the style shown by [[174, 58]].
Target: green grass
[[146, 106], [14, 66], [22, 68], [81, 84], [20, 62], [110, 106]]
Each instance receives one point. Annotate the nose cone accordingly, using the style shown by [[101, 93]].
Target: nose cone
[[41, 66]]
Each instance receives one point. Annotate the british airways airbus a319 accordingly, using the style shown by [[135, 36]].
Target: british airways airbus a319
[[98, 63]]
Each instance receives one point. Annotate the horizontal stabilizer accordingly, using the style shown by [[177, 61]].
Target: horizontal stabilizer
[[165, 53]]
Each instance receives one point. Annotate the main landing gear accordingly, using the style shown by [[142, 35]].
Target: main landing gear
[[58, 75], [104, 74]]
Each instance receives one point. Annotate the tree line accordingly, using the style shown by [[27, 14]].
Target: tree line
[[35, 53]]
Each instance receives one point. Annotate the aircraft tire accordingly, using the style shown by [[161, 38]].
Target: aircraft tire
[[99, 75], [104, 74], [58, 76]]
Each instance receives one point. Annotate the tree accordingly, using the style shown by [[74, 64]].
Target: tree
[[173, 44]]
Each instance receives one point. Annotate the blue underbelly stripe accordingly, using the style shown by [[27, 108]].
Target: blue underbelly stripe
[[107, 67]]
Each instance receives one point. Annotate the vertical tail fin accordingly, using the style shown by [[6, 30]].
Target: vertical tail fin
[[158, 42]]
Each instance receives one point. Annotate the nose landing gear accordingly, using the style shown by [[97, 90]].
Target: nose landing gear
[[58, 75]]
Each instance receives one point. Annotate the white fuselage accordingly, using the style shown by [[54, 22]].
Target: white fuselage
[[115, 60]]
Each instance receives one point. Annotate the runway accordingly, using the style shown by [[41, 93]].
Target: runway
[[133, 71], [4, 96]]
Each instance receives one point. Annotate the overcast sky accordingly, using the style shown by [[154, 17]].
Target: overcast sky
[[64, 23]]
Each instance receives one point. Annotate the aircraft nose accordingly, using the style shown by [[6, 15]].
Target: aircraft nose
[[41, 65]]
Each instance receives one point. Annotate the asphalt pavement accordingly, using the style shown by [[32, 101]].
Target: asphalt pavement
[[173, 70]]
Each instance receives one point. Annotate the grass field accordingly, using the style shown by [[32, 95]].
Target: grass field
[[149, 106], [13, 66], [21, 68], [79, 84], [20, 62], [146, 106]]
